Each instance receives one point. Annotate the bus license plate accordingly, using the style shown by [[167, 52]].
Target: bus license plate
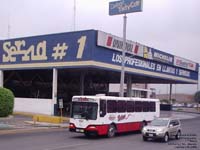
[[80, 130]]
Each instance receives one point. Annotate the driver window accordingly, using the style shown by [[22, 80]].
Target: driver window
[[102, 108]]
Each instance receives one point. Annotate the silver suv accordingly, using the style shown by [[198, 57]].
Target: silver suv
[[162, 128]]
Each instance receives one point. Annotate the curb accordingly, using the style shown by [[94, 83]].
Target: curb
[[43, 117], [44, 124]]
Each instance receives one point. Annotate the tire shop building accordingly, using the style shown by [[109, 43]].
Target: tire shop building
[[42, 69]]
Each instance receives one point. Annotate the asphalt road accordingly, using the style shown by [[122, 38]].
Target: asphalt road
[[61, 139]]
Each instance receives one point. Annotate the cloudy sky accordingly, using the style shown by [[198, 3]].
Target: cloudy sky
[[172, 26]]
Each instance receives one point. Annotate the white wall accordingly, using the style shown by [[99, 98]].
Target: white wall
[[33, 105]]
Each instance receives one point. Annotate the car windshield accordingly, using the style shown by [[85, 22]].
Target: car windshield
[[159, 122], [84, 110]]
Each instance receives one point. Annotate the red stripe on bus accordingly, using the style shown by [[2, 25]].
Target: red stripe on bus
[[125, 127], [122, 127]]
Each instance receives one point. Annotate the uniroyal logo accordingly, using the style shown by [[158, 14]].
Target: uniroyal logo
[[115, 43]]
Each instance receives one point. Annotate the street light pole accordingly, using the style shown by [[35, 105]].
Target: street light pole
[[74, 26], [118, 8], [123, 57]]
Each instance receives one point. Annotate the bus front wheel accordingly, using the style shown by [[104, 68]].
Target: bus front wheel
[[111, 131]]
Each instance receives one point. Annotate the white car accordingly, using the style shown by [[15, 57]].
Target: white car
[[162, 128]]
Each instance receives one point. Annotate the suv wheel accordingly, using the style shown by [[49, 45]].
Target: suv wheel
[[178, 135], [166, 138]]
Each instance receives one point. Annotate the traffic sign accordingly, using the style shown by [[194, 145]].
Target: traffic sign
[[125, 6]]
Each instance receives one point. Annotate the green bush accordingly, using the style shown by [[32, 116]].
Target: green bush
[[6, 102], [197, 97]]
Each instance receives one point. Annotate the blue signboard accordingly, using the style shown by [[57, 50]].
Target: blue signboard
[[144, 65], [125, 6], [46, 51]]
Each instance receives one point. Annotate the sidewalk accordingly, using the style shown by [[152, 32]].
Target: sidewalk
[[15, 122], [21, 124]]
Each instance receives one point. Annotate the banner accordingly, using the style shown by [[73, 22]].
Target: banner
[[113, 42], [116, 43], [151, 66], [184, 63]]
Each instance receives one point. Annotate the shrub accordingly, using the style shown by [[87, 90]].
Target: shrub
[[6, 102], [197, 97]]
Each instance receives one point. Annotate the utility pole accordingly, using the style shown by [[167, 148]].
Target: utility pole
[[74, 24], [121, 94], [118, 8]]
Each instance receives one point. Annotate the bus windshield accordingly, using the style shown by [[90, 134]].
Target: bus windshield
[[84, 110]]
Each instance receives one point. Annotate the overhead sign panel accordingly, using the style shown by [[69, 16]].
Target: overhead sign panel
[[144, 66], [125, 6], [79, 49], [116, 43]]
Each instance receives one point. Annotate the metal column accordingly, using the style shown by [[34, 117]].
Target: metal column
[[1, 78], [129, 86], [123, 58], [82, 78], [54, 89], [170, 94]]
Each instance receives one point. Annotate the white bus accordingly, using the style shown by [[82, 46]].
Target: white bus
[[107, 115]]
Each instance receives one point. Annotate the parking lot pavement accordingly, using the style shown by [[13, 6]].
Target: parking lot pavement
[[20, 123], [62, 139]]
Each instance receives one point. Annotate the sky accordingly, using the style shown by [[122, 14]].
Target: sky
[[172, 26]]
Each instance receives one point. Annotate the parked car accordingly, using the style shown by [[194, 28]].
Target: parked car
[[162, 128]]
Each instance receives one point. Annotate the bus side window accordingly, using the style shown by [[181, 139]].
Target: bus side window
[[152, 106], [102, 108], [111, 106], [138, 106], [130, 106], [121, 106]]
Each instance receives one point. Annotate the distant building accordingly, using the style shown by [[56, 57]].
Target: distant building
[[138, 90], [179, 97]]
